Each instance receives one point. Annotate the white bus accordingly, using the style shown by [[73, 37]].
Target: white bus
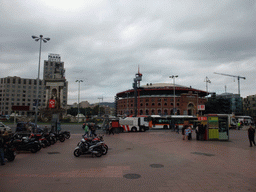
[[166, 122]]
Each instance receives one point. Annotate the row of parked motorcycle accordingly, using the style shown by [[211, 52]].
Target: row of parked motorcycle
[[91, 145], [32, 142]]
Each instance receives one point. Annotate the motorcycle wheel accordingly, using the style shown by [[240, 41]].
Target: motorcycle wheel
[[62, 138], [104, 149], [99, 154], [43, 145], [10, 156], [39, 147], [52, 141], [48, 143], [34, 149], [77, 153], [67, 136]]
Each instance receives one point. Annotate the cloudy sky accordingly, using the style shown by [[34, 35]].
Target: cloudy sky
[[103, 42]]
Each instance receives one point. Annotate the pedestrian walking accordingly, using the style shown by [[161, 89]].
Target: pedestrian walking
[[183, 131], [238, 125], [93, 130], [251, 135], [177, 129], [189, 133], [197, 132], [83, 126], [111, 130], [86, 130], [2, 149]]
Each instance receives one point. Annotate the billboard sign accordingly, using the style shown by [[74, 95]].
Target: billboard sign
[[51, 103]]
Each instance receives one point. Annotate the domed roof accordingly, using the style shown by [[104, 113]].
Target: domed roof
[[161, 85]]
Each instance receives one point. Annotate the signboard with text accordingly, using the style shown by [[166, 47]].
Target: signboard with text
[[201, 107]]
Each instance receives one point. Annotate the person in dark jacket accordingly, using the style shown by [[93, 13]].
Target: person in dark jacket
[[183, 131], [2, 149], [251, 135]]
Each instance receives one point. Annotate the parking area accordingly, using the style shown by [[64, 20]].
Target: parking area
[[150, 161]]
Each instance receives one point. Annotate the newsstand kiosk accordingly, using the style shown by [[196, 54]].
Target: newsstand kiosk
[[217, 127]]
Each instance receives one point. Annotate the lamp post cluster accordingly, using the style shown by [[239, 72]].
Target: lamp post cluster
[[173, 77], [79, 81], [40, 38]]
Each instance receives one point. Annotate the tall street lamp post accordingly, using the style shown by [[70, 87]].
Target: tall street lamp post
[[38, 76], [79, 81], [173, 77]]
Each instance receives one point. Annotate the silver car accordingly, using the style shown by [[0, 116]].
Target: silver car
[[2, 126]]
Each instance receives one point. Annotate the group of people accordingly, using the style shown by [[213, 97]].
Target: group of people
[[89, 129], [186, 132]]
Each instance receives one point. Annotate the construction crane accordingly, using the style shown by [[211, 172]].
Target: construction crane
[[238, 79]]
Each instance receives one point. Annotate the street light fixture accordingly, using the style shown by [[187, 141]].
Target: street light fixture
[[37, 86], [79, 81], [173, 77]]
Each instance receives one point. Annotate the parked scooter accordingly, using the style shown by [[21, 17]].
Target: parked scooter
[[85, 147]]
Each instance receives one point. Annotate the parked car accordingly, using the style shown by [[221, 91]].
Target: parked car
[[26, 127], [2, 126]]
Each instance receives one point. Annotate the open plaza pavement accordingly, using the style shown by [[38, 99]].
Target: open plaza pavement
[[156, 160]]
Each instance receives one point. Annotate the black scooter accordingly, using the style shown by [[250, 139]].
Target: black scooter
[[84, 148]]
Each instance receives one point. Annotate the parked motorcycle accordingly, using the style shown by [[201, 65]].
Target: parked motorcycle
[[40, 138], [95, 140], [24, 144], [66, 134], [85, 147], [58, 136]]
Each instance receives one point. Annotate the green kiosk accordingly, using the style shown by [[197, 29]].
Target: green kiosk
[[217, 127]]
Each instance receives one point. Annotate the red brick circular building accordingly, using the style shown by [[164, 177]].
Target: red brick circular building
[[158, 99]]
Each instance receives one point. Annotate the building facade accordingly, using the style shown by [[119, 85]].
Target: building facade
[[249, 106], [161, 99], [17, 91], [236, 102]]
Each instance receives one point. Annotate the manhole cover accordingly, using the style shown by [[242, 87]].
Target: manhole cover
[[51, 153], [205, 154], [156, 165], [132, 176]]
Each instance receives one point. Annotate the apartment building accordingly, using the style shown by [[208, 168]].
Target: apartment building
[[17, 91]]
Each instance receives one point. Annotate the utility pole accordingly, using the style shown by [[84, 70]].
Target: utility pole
[[136, 85], [100, 98], [207, 80], [238, 79]]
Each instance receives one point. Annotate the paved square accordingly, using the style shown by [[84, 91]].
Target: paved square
[[151, 161]]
